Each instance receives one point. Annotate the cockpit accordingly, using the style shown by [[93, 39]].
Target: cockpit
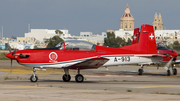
[[161, 46], [76, 45]]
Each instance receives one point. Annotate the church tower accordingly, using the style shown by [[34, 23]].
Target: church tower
[[158, 24], [127, 20]]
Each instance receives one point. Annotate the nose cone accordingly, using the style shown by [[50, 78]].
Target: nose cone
[[175, 54], [9, 55]]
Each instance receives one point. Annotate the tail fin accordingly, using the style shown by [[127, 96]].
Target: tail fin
[[146, 43], [147, 40], [135, 36]]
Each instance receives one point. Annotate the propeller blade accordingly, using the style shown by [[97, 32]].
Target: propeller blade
[[9, 48], [14, 52], [11, 66], [171, 46]]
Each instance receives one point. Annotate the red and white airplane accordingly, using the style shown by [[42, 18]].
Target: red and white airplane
[[162, 50], [78, 55]]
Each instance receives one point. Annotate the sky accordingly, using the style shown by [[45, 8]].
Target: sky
[[77, 16]]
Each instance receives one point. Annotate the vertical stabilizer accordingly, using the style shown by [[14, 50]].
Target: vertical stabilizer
[[146, 44], [135, 35], [147, 41]]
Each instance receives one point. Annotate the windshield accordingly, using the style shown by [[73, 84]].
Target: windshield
[[77, 45], [60, 46], [161, 46]]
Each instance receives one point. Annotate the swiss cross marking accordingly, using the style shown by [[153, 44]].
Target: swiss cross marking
[[151, 36]]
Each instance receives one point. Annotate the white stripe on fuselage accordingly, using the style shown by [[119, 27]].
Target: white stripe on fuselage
[[113, 60], [129, 59]]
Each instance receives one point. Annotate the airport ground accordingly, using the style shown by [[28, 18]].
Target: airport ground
[[118, 83]]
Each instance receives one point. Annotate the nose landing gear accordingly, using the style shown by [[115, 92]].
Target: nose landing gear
[[34, 78]]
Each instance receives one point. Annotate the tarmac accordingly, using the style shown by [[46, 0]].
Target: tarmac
[[118, 83]]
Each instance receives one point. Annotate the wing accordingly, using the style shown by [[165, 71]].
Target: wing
[[90, 63]]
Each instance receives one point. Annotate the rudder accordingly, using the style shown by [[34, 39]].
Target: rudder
[[149, 44]]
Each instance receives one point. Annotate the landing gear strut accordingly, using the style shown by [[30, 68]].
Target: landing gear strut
[[140, 71], [66, 77], [167, 67], [174, 70], [34, 78]]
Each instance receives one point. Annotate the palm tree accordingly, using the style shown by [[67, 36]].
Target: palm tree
[[58, 32]]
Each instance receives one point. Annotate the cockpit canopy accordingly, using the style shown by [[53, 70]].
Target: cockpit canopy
[[161, 46], [76, 45]]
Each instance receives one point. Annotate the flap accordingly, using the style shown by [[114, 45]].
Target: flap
[[90, 63]]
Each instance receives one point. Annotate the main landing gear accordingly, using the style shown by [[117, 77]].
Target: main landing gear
[[66, 77], [174, 70], [167, 67]]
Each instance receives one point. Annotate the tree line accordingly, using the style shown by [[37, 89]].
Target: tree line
[[112, 41]]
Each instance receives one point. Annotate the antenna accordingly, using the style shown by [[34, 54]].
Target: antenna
[[28, 27], [2, 31]]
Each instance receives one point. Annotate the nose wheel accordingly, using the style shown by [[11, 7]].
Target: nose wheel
[[33, 78]]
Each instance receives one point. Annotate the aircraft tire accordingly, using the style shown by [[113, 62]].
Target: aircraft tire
[[33, 79], [168, 73], [140, 71], [175, 71], [66, 78], [79, 78]]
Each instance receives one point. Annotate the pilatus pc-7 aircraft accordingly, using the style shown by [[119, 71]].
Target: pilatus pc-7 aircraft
[[78, 55], [162, 50]]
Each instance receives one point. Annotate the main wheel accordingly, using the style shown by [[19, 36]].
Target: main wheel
[[140, 71], [168, 73], [175, 71], [79, 78], [33, 78], [66, 78]]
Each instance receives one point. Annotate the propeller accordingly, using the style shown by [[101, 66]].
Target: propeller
[[9, 48], [171, 47]]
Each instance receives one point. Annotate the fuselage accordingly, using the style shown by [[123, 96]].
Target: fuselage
[[56, 58]]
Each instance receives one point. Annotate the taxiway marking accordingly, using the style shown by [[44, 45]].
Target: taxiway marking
[[154, 86]]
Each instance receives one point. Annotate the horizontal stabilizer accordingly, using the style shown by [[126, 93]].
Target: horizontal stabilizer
[[177, 62], [149, 55]]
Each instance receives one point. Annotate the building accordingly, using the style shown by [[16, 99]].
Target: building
[[127, 20], [126, 25], [43, 34], [167, 36], [94, 38], [125, 34], [157, 23]]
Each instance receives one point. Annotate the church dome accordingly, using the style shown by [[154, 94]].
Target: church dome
[[127, 15]]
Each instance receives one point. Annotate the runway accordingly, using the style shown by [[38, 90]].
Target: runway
[[115, 84]]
